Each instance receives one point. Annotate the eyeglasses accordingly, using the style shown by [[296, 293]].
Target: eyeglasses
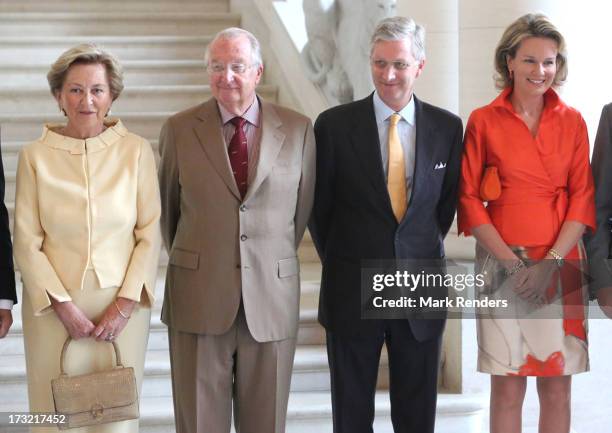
[[397, 65], [236, 68]]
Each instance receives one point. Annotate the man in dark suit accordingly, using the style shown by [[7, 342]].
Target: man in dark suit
[[599, 243], [8, 294], [386, 189]]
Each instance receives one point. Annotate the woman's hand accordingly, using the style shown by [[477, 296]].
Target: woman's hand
[[532, 283], [73, 319], [114, 320]]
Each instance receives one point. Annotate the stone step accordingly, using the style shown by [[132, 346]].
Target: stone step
[[28, 127], [46, 49], [310, 412], [310, 373], [459, 248], [310, 331], [306, 252], [135, 73], [132, 99], [10, 158], [310, 272], [115, 23], [90, 6]]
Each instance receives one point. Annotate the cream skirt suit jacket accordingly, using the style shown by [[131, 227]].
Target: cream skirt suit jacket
[[86, 230]]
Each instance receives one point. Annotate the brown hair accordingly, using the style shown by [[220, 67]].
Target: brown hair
[[528, 26]]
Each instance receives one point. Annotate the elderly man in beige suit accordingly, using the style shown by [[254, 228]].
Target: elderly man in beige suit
[[237, 178]]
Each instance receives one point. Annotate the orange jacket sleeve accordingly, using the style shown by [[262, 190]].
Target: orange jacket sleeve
[[471, 211], [581, 192]]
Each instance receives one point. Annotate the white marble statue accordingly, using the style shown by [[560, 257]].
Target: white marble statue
[[337, 55]]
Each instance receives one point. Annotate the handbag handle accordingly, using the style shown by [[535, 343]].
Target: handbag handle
[[65, 348]]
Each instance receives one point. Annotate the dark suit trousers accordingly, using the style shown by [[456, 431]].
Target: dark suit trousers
[[413, 377]]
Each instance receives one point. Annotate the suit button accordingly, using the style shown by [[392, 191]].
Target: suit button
[[238, 266], [243, 237], [243, 208]]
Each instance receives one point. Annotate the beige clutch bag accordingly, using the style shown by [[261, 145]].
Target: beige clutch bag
[[95, 398]]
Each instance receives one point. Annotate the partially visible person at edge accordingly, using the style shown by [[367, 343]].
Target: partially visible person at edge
[[87, 235], [540, 149], [8, 294], [599, 244]]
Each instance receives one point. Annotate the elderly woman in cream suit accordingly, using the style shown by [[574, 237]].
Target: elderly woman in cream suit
[[87, 236]]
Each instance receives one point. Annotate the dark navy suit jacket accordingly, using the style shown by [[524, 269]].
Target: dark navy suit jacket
[[7, 272], [352, 217]]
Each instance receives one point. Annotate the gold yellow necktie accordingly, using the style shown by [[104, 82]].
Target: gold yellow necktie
[[396, 180]]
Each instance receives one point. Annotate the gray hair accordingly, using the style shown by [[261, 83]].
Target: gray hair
[[397, 29], [233, 33], [86, 54]]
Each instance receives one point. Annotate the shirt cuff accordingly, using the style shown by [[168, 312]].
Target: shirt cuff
[[6, 304]]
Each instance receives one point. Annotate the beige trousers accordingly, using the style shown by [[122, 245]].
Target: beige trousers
[[44, 337], [208, 371]]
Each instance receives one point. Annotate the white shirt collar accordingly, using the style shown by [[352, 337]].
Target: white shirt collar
[[382, 111]]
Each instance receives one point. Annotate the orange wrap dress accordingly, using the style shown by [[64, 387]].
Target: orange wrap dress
[[545, 181]]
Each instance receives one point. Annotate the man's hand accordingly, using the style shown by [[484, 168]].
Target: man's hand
[[6, 320]]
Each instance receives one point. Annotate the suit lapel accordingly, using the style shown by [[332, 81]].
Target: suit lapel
[[272, 139], [210, 135], [424, 151], [366, 144]]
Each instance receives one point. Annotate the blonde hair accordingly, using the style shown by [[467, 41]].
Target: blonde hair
[[86, 54], [528, 26]]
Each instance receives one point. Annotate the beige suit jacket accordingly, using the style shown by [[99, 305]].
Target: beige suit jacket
[[83, 203], [222, 248]]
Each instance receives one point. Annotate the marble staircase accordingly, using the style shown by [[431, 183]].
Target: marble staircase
[[160, 44]]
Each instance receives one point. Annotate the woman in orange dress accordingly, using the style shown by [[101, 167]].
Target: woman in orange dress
[[538, 206]]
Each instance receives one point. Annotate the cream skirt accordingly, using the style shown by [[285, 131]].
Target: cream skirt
[[549, 341], [44, 337]]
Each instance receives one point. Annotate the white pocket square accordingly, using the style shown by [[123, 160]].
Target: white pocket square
[[440, 165]]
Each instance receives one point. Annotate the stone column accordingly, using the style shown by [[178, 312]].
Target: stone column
[[482, 22], [439, 83]]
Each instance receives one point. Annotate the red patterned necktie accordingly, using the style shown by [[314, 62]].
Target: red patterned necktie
[[239, 155]]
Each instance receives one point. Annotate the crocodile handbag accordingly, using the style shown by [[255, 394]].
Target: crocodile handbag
[[95, 398]]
